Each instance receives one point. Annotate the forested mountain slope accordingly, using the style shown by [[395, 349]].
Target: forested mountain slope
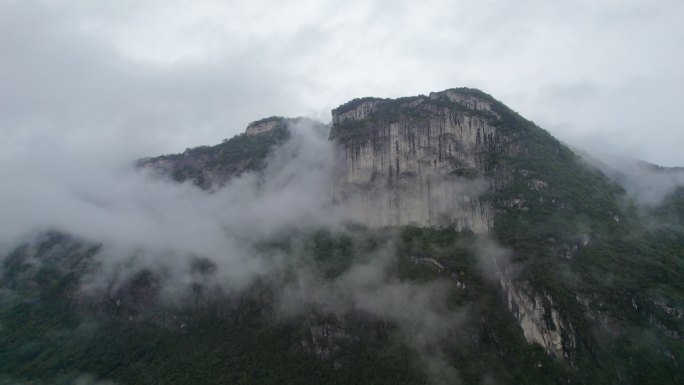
[[461, 244]]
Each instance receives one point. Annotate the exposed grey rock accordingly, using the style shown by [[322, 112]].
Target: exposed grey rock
[[538, 317], [420, 161], [265, 125]]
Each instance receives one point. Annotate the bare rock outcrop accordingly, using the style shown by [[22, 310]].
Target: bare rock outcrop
[[420, 161]]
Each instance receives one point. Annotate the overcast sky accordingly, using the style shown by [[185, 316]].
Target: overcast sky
[[122, 79]]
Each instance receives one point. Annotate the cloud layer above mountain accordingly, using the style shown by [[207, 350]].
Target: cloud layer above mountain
[[136, 78]]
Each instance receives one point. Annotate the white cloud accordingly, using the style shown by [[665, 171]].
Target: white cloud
[[172, 74]]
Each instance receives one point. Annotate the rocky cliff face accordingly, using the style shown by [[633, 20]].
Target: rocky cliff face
[[539, 318], [265, 125], [422, 160]]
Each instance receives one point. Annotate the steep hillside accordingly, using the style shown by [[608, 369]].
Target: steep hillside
[[55, 333], [565, 223], [208, 166], [475, 248]]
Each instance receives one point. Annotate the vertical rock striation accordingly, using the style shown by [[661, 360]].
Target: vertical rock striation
[[538, 317], [422, 160]]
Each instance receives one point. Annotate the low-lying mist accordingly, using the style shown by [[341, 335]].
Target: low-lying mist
[[646, 184], [144, 222], [130, 211]]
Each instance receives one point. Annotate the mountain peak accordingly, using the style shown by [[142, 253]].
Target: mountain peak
[[265, 125]]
